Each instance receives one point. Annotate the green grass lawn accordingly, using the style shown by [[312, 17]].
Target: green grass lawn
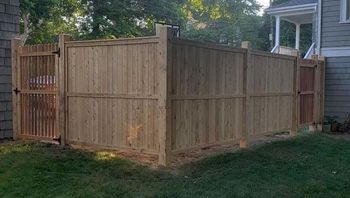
[[308, 166]]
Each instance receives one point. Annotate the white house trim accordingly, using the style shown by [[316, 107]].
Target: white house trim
[[290, 21], [335, 51], [319, 26], [297, 36], [277, 33], [343, 10], [293, 10]]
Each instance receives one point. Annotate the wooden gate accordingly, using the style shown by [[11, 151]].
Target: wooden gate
[[309, 91], [35, 91]]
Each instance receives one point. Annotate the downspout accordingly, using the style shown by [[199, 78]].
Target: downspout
[[319, 28]]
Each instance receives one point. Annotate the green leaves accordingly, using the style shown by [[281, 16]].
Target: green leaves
[[126, 18], [221, 21], [41, 21], [207, 20]]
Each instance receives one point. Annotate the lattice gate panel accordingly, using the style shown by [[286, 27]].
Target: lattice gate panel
[[37, 89]]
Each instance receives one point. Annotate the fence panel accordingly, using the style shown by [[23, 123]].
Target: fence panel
[[206, 94], [271, 90], [112, 93]]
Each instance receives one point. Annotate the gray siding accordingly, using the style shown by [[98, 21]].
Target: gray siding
[[337, 93], [334, 34], [9, 27]]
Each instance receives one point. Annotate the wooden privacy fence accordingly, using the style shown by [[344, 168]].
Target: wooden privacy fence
[[162, 95]]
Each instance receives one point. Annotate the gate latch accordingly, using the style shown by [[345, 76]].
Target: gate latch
[[16, 91]]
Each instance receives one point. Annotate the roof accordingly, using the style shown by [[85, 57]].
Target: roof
[[294, 3], [295, 11]]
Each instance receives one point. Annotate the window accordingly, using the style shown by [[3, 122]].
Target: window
[[345, 11]]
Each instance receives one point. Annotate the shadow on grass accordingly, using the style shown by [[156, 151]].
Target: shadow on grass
[[306, 166], [43, 170]]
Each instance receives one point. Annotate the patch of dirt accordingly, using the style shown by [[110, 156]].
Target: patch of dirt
[[144, 159], [180, 158], [4, 141], [194, 155]]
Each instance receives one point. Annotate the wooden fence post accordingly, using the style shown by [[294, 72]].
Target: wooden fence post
[[164, 104], [244, 141], [61, 110], [295, 113], [15, 43]]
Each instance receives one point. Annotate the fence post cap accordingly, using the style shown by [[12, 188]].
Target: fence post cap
[[321, 58], [64, 36], [246, 45], [16, 39], [296, 53], [160, 28], [314, 57]]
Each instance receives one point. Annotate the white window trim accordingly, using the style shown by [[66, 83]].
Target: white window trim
[[343, 7]]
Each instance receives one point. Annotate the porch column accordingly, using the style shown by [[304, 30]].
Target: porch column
[[297, 36], [277, 35]]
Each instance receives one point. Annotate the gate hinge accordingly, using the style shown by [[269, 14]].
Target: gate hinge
[[58, 52]]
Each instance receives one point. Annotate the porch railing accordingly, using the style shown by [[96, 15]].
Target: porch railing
[[310, 52], [275, 49]]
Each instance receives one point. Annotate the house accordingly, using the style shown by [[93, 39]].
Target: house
[[331, 38], [9, 27]]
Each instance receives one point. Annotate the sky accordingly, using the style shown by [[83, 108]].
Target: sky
[[264, 3]]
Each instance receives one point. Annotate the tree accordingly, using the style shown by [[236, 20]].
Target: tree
[[126, 18], [224, 21], [41, 21]]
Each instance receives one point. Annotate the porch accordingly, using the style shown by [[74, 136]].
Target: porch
[[297, 12]]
